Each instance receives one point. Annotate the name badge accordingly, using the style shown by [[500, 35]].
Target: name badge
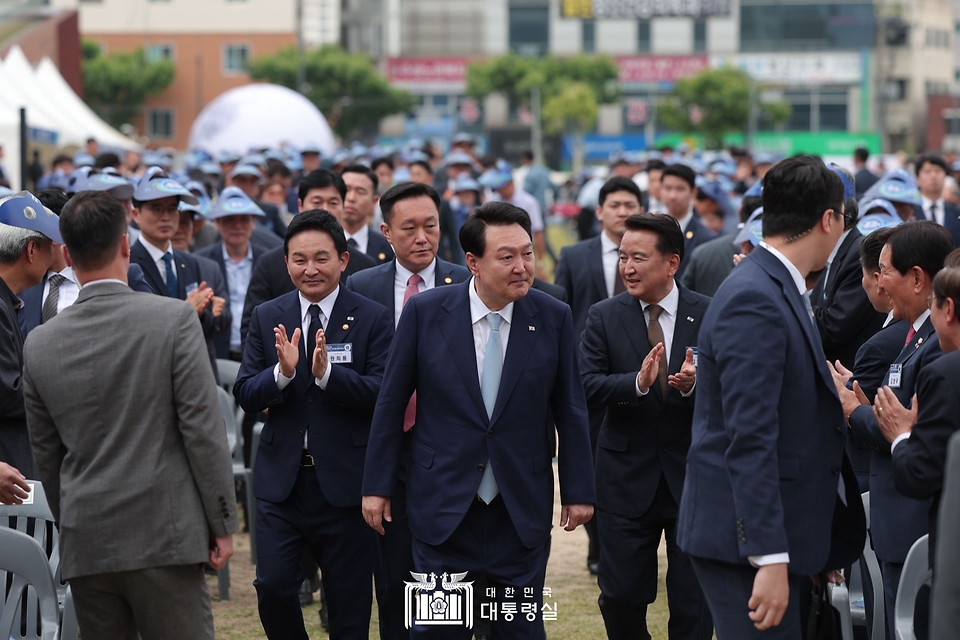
[[190, 288], [340, 353], [894, 376], [694, 349]]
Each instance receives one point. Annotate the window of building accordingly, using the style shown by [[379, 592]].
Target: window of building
[[160, 123], [643, 36], [158, 52], [529, 30], [815, 110], [769, 26], [700, 36], [588, 29], [235, 58]]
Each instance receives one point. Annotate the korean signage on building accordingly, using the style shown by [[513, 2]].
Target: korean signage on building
[[428, 74], [797, 69], [639, 71], [643, 9]]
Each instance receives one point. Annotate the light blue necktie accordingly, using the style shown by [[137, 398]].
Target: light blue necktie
[[489, 386], [172, 289]]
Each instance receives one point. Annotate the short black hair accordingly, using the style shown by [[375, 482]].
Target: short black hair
[[359, 168], [422, 163], [748, 205], [796, 192], [53, 199], [92, 224], [379, 161], [473, 233], [405, 191], [932, 158], [871, 246], [619, 183], [669, 234], [919, 243], [60, 158], [851, 212], [108, 159], [861, 154], [277, 168], [527, 155], [316, 220], [654, 165], [321, 179], [681, 171]]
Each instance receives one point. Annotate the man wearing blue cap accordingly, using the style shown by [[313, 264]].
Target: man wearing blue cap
[[500, 180], [27, 233], [248, 178], [713, 206], [537, 181], [236, 255]]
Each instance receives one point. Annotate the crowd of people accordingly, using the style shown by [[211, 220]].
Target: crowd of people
[[737, 348]]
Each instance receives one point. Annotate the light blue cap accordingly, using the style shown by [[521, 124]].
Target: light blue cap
[[896, 186], [228, 157], [756, 189], [192, 208], [401, 174], [210, 168], [871, 222], [83, 159], [748, 230], [848, 189], [466, 183], [77, 179], [119, 188], [154, 186], [244, 169], [716, 192], [498, 176], [867, 204], [310, 147], [765, 157], [23, 210], [458, 157], [234, 202]]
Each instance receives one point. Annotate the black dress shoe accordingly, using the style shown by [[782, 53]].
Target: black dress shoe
[[324, 620], [305, 593], [593, 566]]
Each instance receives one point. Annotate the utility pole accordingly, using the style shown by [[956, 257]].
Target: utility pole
[[536, 135], [301, 72]]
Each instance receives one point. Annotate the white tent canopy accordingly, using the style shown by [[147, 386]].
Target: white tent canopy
[[260, 115]]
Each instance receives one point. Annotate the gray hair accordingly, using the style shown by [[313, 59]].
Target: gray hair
[[13, 240]]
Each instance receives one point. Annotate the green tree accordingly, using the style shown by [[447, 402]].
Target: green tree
[[346, 87], [116, 85], [573, 109], [714, 102]]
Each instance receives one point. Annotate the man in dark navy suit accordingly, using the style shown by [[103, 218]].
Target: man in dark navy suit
[[589, 273], [932, 171], [763, 503], [678, 189], [646, 383], [315, 358], [487, 358], [845, 316], [358, 205], [320, 189], [911, 257], [411, 213], [863, 177]]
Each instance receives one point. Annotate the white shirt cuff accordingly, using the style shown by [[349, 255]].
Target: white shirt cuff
[[900, 438], [282, 380], [773, 558], [322, 382], [689, 393], [640, 392]]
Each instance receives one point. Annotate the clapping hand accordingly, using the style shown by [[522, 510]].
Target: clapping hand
[[320, 356], [894, 418], [650, 368], [288, 351], [200, 298], [684, 379], [218, 305], [850, 400]]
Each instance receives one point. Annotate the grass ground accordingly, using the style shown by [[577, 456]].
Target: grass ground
[[573, 588]]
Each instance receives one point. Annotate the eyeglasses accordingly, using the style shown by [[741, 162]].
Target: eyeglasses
[[930, 300]]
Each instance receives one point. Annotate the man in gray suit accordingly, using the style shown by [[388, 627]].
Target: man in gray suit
[[945, 609], [129, 442]]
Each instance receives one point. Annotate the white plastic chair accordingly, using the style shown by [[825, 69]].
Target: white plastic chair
[[24, 558], [858, 614], [916, 573]]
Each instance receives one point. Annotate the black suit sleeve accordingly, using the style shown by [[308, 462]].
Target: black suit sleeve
[[870, 370], [603, 388], [11, 377], [258, 292], [849, 311], [918, 462]]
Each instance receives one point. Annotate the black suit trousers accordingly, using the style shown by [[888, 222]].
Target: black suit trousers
[[629, 564]]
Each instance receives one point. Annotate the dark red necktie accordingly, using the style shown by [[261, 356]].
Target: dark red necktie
[[910, 335]]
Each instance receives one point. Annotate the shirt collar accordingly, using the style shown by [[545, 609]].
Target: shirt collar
[[836, 248], [226, 256], [669, 303], [326, 305], [427, 273], [919, 321], [155, 252], [685, 220], [105, 281], [926, 203], [361, 235], [606, 244], [889, 319], [478, 310], [798, 280]]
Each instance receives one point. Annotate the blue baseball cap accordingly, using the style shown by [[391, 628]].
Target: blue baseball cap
[[154, 185], [756, 189], [234, 202], [211, 169], [228, 157], [462, 138], [401, 174], [458, 157], [119, 188], [747, 231], [23, 210], [310, 147], [873, 221], [716, 192], [244, 169], [498, 176], [466, 183], [192, 208], [872, 204], [76, 180], [896, 186], [764, 157], [848, 189], [257, 159], [83, 159], [59, 180]]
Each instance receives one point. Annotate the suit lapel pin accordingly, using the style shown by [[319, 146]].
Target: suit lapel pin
[[382, 256], [183, 266], [689, 319], [919, 342], [345, 327], [531, 328], [447, 280], [350, 318], [689, 234]]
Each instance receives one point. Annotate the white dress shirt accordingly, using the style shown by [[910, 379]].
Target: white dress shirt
[[916, 327], [361, 237], [685, 220], [610, 252], [156, 253], [400, 285], [938, 213], [68, 290], [326, 308], [481, 326]]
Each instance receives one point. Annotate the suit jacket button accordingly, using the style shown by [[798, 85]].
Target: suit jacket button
[[301, 432], [480, 468], [835, 471], [663, 448], [490, 433], [310, 398]]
